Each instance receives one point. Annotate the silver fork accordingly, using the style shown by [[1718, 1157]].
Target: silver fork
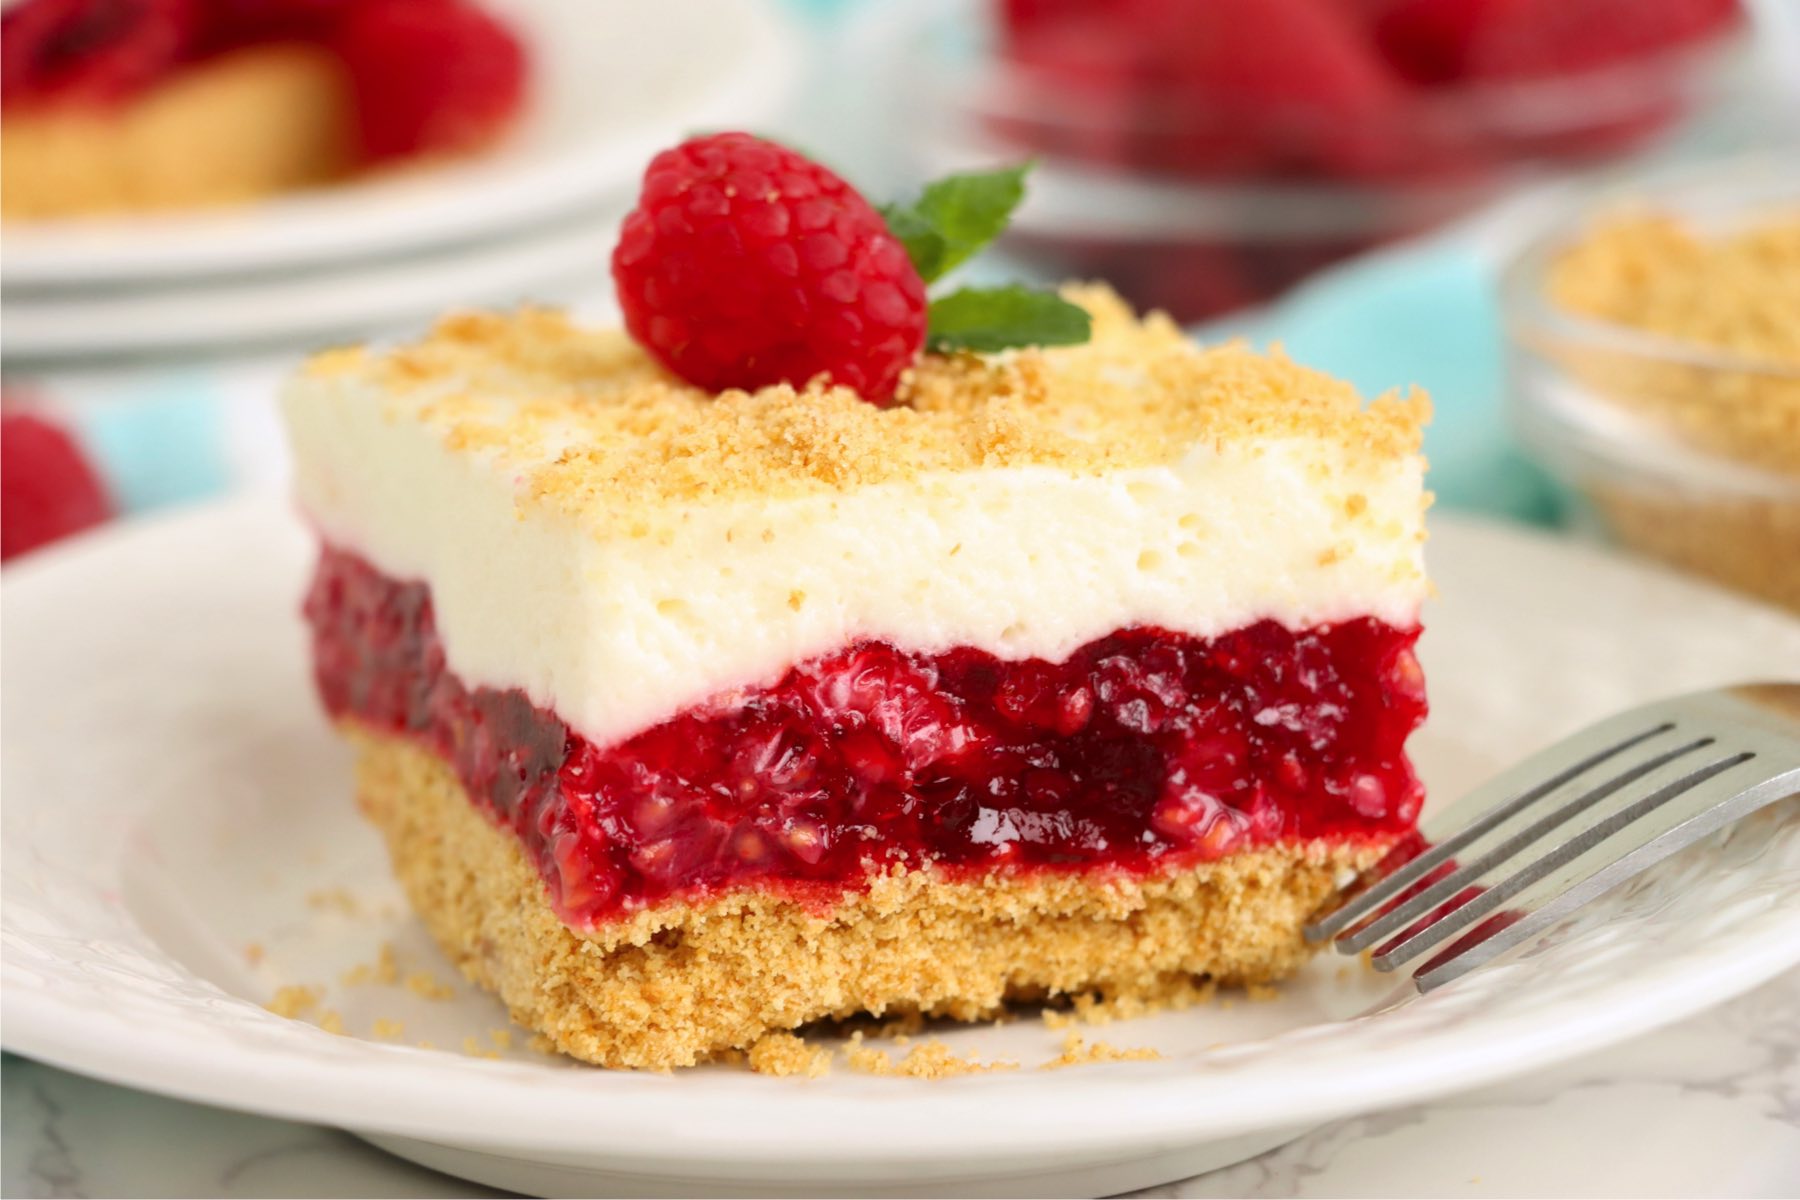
[[1526, 849]]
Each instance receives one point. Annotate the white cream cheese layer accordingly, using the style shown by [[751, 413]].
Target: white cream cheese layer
[[616, 624]]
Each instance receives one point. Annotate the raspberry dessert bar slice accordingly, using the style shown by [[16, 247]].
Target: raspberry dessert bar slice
[[689, 716], [756, 667]]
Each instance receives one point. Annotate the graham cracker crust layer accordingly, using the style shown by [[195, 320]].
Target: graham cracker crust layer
[[679, 983]]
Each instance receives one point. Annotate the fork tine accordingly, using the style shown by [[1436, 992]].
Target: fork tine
[[1624, 828], [1491, 805], [1396, 919], [1640, 844]]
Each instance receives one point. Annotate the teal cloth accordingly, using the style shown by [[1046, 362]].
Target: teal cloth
[[1424, 314], [162, 442]]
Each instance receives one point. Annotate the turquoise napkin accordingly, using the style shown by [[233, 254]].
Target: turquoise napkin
[[1426, 314]]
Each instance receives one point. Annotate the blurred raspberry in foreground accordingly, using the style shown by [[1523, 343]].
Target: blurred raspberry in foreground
[[47, 488]]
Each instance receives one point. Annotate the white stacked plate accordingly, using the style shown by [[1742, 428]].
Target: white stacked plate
[[613, 82]]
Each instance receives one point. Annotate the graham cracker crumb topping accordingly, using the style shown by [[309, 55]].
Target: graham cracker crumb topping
[[1733, 299], [1739, 292], [584, 419]]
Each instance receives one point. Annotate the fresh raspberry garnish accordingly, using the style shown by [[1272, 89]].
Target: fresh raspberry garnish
[[429, 75], [47, 489], [746, 264], [93, 50]]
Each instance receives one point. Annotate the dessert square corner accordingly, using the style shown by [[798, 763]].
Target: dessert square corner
[[691, 717]]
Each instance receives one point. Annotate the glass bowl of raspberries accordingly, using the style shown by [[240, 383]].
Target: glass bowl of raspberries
[[1205, 155]]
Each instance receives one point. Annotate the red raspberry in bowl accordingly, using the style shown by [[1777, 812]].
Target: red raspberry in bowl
[[746, 264], [429, 76], [1445, 41], [98, 50]]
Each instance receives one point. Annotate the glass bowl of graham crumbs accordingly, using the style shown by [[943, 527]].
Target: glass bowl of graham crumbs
[[1654, 358]]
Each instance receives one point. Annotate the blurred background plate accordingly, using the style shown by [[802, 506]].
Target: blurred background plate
[[314, 306], [615, 81]]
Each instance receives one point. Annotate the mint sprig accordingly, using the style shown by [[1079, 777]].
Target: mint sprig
[[989, 319], [951, 221]]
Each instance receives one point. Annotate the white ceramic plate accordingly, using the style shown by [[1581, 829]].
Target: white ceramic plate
[[614, 82], [351, 300], [173, 797]]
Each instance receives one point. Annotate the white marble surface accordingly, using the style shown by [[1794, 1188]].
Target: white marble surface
[[1710, 1107]]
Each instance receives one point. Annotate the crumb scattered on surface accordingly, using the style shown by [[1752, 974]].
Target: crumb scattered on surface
[[866, 1059], [253, 953], [387, 965], [896, 1025], [930, 1059], [786, 1054], [1170, 994], [429, 986], [335, 899], [471, 1046], [1078, 1051], [358, 975], [1262, 991], [294, 1000], [331, 1021], [502, 1038], [388, 1029]]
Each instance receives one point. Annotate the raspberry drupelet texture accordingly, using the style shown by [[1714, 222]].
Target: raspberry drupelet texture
[[746, 265]]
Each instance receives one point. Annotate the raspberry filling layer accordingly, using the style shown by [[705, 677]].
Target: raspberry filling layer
[[1145, 749]]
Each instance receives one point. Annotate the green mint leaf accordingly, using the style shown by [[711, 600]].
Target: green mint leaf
[[924, 244], [989, 319], [956, 216], [969, 211]]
